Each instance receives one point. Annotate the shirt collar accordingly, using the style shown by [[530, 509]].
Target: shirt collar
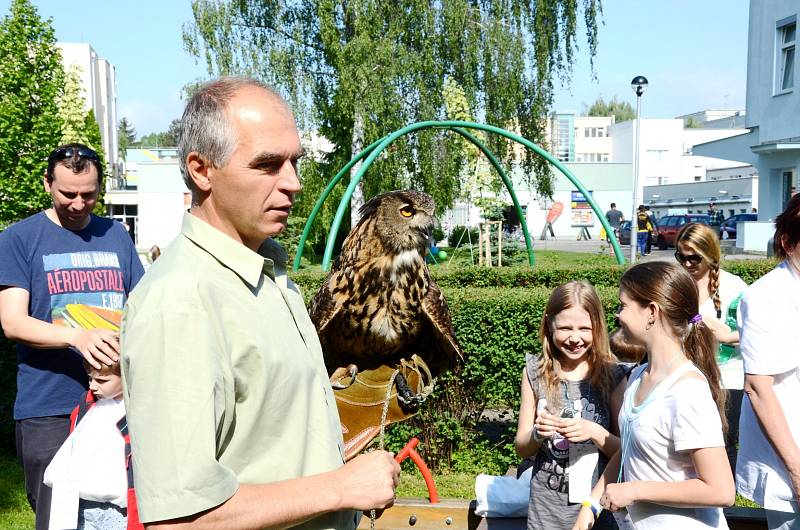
[[248, 265]]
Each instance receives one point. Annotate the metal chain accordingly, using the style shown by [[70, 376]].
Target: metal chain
[[386, 402]]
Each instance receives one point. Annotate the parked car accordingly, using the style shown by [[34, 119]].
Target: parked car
[[727, 230], [667, 227], [625, 233]]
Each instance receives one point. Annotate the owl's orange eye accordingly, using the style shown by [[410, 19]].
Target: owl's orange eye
[[406, 211]]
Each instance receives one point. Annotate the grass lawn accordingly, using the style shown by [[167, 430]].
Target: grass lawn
[[543, 258], [15, 514], [462, 486]]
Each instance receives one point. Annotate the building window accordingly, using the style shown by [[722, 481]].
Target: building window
[[697, 178], [594, 132], [786, 35]]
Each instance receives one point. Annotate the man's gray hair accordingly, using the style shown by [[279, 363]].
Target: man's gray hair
[[205, 127]]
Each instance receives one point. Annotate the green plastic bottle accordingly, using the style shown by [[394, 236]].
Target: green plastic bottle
[[726, 351]]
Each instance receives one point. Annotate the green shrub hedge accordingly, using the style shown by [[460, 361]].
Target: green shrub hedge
[[496, 315], [524, 276]]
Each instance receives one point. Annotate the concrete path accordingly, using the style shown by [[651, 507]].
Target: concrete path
[[597, 246]]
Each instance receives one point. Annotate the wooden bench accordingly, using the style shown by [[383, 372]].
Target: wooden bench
[[456, 514]]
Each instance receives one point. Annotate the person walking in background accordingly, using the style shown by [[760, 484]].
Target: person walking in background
[[652, 217], [671, 470], [570, 397], [155, 253], [645, 228], [698, 251], [64, 277], [615, 218], [768, 466], [716, 217]]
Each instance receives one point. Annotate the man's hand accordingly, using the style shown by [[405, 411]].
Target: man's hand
[[369, 481], [97, 346], [618, 496], [578, 429]]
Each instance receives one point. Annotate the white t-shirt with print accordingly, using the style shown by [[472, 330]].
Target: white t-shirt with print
[[770, 345], [678, 416], [730, 286]]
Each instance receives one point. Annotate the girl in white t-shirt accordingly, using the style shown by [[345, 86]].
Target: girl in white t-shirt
[[671, 470]]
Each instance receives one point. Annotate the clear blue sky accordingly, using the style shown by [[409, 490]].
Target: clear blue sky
[[693, 52]]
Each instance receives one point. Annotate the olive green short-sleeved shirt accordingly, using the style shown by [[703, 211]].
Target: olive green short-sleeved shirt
[[224, 380]]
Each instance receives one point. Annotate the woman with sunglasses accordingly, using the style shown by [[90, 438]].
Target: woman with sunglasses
[[699, 253]]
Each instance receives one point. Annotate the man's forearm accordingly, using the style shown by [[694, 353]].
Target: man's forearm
[[37, 333], [770, 416], [366, 482], [268, 506]]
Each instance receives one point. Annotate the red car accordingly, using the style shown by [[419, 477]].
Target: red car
[[667, 227]]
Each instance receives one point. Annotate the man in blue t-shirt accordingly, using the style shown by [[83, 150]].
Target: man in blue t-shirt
[[64, 277]]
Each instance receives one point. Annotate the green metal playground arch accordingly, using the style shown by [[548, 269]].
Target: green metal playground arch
[[372, 152]]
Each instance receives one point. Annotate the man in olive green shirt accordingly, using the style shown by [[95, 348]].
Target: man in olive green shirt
[[232, 420]]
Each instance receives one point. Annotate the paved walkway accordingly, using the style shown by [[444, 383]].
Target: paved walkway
[[597, 246]]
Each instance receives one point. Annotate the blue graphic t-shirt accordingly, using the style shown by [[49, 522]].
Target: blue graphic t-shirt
[[75, 279]]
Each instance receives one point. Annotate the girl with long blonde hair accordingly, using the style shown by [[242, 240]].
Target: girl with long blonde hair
[[570, 397]]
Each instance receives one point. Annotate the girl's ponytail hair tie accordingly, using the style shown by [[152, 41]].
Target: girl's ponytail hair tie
[[695, 319]]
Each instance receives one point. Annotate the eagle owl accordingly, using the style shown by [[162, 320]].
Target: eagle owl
[[379, 303]]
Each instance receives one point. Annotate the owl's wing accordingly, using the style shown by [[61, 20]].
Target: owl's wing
[[324, 307], [435, 308]]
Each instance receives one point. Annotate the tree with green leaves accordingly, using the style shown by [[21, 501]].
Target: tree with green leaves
[[169, 138], [71, 104], [355, 71], [31, 80], [621, 110], [91, 132], [127, 136]]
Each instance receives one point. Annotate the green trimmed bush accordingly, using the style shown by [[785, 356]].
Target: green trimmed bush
[[524, 276], [458, 235], [496, 315], [496, 327]]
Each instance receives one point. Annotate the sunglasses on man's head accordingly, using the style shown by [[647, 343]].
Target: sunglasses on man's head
[[62, 153], [694, 259]]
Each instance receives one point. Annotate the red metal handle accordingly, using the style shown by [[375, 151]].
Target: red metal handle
[[409, 451]]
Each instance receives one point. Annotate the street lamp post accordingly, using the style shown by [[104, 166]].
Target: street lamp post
[[638, 85]]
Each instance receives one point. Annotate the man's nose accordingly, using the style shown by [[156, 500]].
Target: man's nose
[[291, 180]]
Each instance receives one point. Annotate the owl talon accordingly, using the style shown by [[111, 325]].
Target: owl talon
[[342, 373], [408, 400]]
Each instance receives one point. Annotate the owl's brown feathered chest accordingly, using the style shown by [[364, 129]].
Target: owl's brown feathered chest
[[382, 312]]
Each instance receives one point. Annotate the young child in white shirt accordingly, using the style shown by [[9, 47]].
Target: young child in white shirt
[[89, 473]]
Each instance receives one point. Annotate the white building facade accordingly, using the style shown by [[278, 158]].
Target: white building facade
[[99, 84], [773, 104]]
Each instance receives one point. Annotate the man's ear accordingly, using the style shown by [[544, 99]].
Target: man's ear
[[199, 169], [46, 183]]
